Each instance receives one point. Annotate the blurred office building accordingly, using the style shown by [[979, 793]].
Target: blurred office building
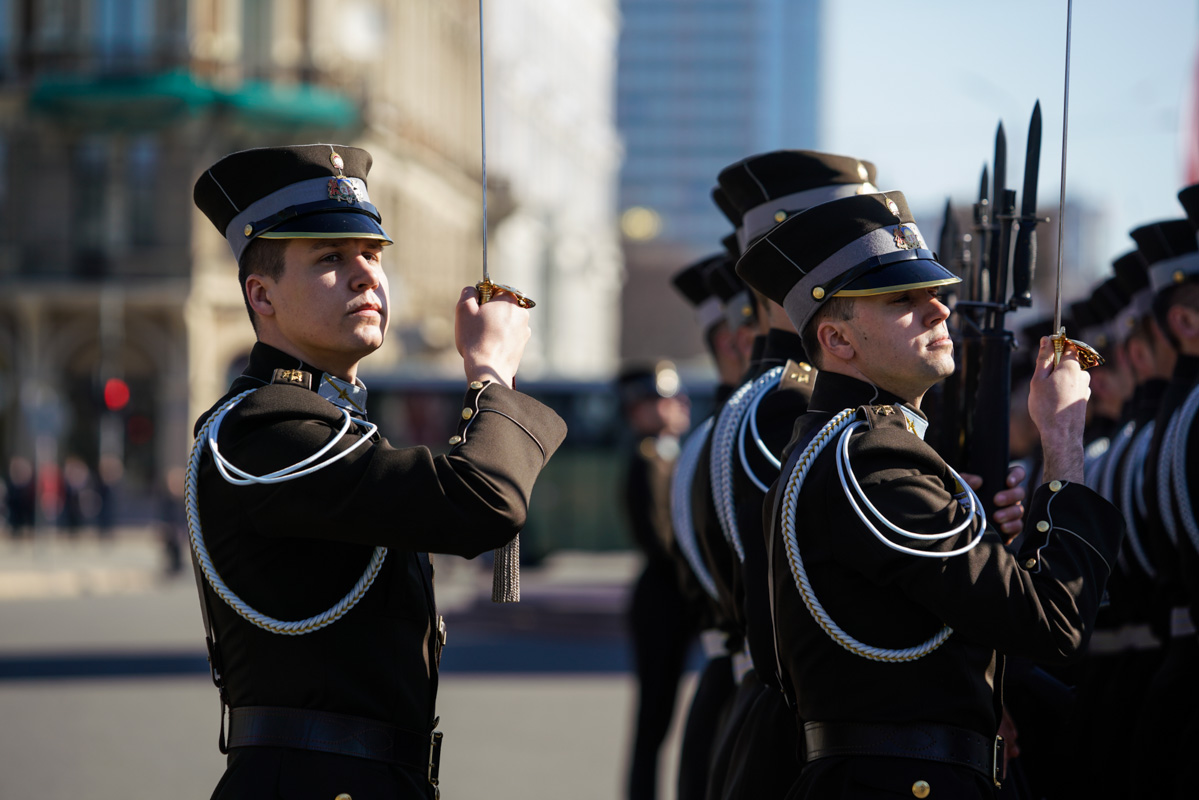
[[699, 86], [120, 315]]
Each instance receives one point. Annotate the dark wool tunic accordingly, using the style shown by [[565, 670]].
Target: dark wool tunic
[[294, 549]]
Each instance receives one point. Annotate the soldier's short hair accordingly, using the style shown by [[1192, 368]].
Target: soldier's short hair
[[263, 257]]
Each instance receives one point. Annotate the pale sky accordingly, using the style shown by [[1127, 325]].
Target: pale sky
[[920, 87]]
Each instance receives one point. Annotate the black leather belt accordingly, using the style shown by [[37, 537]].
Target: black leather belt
[[276, 726], [944, 743]]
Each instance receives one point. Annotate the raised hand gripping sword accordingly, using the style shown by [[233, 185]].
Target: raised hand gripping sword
[[1088, 357], [505, 579]]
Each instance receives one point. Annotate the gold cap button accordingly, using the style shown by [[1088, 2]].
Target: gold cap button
[[818, 293], [343, 796], [249, 229], [467, 413], [476, 384], [455, 440], [1030, 563], [780, 216], [1042, 526], [1055, 486], [921, 789], [1179, 277]]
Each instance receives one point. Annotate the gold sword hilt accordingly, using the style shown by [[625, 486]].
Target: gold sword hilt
[[488, 290], [1088, 357]]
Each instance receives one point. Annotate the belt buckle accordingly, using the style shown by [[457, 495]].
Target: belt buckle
[[997, 762], [435, 760]]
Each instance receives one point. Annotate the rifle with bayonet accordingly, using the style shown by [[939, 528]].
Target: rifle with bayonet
[[987, 344]]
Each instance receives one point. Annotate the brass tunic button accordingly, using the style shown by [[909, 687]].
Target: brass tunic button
[[455, 440], [476, 384], [1042, 526], [1030, 563], [1055, 486], [467, 413], [921, 789]]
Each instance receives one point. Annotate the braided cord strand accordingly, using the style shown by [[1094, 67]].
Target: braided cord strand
[[1165, 464], [1136, 453], [196, 535], [723, 446], [790, 502], [1179, 472], [680, 505]]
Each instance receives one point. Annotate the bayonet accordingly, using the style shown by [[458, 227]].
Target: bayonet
[[1024, 261]]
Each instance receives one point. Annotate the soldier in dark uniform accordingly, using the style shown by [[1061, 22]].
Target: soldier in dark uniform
[[892, 606], [715, 683], [663, 620], [1172, 698], [757, 754], [318, 591]]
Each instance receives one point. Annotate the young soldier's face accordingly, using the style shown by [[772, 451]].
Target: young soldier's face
[[331, 301], [901, 340]]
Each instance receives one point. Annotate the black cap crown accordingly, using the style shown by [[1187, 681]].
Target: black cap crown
[[692, 282], [768, 188], [295, 192], [856, 246], [1170, 250]]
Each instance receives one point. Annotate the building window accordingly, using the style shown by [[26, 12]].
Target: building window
[[90, 168], [141, 174]]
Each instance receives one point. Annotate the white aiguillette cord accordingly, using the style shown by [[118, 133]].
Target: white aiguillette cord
[[505, 576]]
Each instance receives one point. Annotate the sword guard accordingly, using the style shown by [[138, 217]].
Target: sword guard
[[487, 290], [1088, 357]]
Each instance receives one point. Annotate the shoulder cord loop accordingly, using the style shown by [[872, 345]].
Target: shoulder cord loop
[[843, 424], [680, 505], [721, 474], [750, 422], [1164, 482], [1179, 471], [208, 435], [1136, 453]]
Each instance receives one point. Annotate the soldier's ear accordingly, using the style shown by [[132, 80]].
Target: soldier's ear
[[1184, 322], [833, 339], [258, 295]]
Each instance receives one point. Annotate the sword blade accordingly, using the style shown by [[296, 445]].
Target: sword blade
[[1061, 207], [483, 142]]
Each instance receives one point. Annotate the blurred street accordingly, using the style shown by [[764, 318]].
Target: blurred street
[[105, 693]]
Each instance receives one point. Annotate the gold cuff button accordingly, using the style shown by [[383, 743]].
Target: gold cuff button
[[467, 413], [1055, 486], [476, 384], [1043, 526], [1030, 563], [921, 789], [455, 440]]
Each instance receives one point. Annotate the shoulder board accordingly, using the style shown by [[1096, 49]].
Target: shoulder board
[[293, 377], [797, 376]]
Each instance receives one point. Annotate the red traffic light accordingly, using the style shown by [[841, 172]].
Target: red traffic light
[[116, 394]]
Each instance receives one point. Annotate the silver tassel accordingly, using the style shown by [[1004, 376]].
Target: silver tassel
[[505, 579]]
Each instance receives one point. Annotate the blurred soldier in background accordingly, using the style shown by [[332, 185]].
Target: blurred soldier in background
[[663, 621]]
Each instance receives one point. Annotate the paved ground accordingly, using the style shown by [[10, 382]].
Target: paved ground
[[104, 691]]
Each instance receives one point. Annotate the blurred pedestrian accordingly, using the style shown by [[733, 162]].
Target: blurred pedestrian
[[21, 497]]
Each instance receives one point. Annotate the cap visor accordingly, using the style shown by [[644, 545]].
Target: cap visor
[[330, 225], [898, 277]]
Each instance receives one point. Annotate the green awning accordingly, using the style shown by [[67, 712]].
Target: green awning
[[265, 105], [146, 102], [126, 102]]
